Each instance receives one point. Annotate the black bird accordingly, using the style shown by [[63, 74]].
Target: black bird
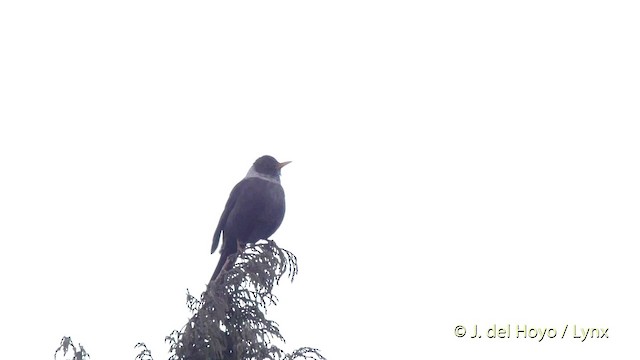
[[254, 211]]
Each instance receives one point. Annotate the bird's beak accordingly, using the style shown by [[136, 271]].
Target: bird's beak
[[282, 164]]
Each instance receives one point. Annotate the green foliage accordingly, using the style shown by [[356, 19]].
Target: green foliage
[[66, 344], [228, 321], [145, 353]]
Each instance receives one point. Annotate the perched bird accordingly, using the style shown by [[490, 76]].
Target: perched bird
[[254, 211]]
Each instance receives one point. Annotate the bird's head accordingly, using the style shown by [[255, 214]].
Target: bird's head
[[269, 166]]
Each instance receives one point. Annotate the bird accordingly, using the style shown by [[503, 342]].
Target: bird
[[254, 211]]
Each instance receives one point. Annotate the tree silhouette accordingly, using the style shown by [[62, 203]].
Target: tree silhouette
[[66, 344], [228, 320]]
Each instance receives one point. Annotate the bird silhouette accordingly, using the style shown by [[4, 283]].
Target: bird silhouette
[[254, 211]]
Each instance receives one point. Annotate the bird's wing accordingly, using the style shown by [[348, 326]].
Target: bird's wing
[[233, 197]]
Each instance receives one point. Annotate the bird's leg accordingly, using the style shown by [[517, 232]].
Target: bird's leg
[[231, 258], [240, 247], [228, 264]]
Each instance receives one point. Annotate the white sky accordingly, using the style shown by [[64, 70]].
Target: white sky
[[455, 163]]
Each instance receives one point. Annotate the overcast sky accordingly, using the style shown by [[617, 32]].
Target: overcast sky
[[454, 163]]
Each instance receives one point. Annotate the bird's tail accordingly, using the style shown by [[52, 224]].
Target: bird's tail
[[224, 256], [216, 240]]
